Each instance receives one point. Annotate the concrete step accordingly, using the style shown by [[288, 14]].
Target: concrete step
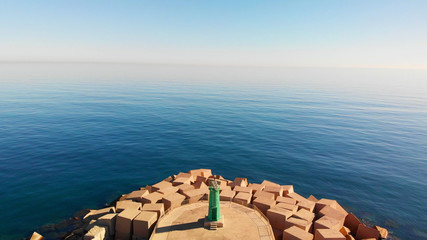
[[213, 226]]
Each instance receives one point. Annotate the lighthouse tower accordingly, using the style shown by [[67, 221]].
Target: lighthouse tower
[[214, 219], [214, 206]]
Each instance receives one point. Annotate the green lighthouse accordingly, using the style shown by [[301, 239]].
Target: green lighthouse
[[214, 203]]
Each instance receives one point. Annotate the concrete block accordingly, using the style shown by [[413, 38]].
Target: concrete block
[[287, 189], [158, 208], [137, 195], [205, 190], [225, 188], [264, 195], [264, 203], [185, 175], [364, 231], [123, 236], [36, 236], [307, 205], [95, 214], [276, 190], [206, 173], [312, 198], [345, 231], [326, 223], [287, 200], [195, 195], [201, 172], [160, 185], [201, 179], [169, 179], [349, 237], [97, 233], [127, 204], [168, 190], [333, 213], [296, 233], [227, 195], [277, 217], [109, 221], [290, 207], [124, 223], [278, 234], [325, 202], [256, 187], [153, 197], [238, 189], [173, 200], [242, 182], [243, 198], [352, 222], [303, 224], [147, 187], [181, 180], [143, 224], [219, 177], [328, 234], [296, 196], [199, 185], [184, 187], [304, 214], [383, 231], [268, 183], [341, 209]]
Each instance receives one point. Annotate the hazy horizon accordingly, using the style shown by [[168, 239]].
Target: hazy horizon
[[222, 65]]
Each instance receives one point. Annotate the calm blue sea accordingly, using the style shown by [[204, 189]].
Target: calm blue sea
[[75, 136]]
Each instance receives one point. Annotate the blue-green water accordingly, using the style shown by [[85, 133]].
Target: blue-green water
[[75, 136]]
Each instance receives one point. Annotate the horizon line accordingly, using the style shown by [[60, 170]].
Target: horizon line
[[359, 66]]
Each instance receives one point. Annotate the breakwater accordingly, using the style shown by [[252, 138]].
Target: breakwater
[[291, 216]]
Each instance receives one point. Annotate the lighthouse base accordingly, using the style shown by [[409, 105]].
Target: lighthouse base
[[213, 225]]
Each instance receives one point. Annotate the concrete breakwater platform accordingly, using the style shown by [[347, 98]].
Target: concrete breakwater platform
[[178, 206]]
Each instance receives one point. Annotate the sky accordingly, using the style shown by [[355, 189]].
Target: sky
[[362, 33]]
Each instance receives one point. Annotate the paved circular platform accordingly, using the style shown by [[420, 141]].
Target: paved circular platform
[[186, 222]]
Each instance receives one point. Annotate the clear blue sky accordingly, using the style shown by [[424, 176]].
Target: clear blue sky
[[281, 33]]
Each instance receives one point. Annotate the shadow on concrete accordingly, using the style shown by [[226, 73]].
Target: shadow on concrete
[[183, 226]]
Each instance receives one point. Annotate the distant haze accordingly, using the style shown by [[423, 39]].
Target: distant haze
[[371, 34]]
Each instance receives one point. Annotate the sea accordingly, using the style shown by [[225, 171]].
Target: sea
[[77, 135]]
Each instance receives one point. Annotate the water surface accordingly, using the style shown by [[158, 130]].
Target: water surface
[[75, 136]]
